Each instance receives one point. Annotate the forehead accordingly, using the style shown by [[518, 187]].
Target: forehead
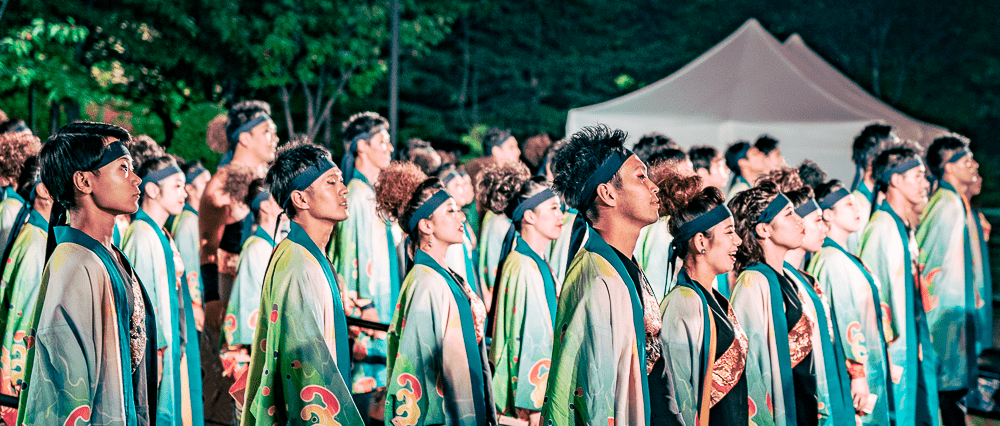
[[333, 172]]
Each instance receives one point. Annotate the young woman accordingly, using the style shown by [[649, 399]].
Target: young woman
[[184, 228], [161, 270], [462, 258], [852, 293], [437, 367], [525, 294], [768, 305], [654, 242]]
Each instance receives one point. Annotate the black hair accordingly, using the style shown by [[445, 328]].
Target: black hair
[[103, 130], [867, 144], [893, 156], [652, 143], [800, 196], [827, 188], [766, 144], [811, 174], [731, 161], [188, 166], [289, 162], [747, 207], [254, 188], [150, 165], [62, 156], [579, 158], [362, 122], [494, 137], [422, 154], [941, 150], [666, 155], [240, 114], [11, 124], [503, 186], [702, 157], [29, 177]]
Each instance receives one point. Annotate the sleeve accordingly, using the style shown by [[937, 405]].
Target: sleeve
[[844, 301], [144, 253], [882, 250], [751, 304], [244, 300], [683, 339], [186, 237], [942, 240]]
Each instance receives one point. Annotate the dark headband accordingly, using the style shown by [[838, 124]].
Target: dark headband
[[807, 207], [531, 203], [608, 169], [347, 161], [19, 127], [900, 169], [306, 178], [157, 176], [427, 209], [246, 127], [260, 198], [703, 223], [112, 152], [832, 198], [773, 208], [958, 155], [195, 171], [448, 177]]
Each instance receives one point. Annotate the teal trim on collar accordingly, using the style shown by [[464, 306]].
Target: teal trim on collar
[[262, 234], [550, 283], [780, 323]]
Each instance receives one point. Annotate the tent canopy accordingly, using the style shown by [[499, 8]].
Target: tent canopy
[[751, 84]]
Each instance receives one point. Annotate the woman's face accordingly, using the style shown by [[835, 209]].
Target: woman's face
[[546, 218], [845, 215], [448, 223], [456, 187], [720, 251], [786, 229], [196, 188], [815, 231], [172, 194]]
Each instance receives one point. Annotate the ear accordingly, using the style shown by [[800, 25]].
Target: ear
[[363, 146], [495, 150], [762, 231], [895, 179], [300, 200], [151, 190], [42, 191], [245, 139], [699, 242], [607, 194], [530, 217], [83, 183], [425, 227]]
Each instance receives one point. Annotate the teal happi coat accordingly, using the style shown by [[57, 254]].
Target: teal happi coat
[[92, 341], [438, 371], [863, 195], [490, 245], [890, 250], [9, 208], [947, 270], [363, 250], [184, 228], [856, 307], [984, 312], [651, 253], [599, 371], [300, 350], [522, 334], [243, 311], [21, 277], [159, 267]]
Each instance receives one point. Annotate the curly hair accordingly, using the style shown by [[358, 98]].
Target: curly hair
[[579, 158], [143, 148], [215, 134], [400, 190], [503, 186], [687, 201], [786, 178], [236, 181], [747, 207], [15, 148], [811, 174]]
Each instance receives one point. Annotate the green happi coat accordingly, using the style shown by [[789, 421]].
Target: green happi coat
[[438, 372], [863, 195], [9, 208], [363, 250], [651, 253], [300, 350], [984, 312], [161, 270], [93, 357], [599, 370], [490, 245], [522, 335], [558, 254], [890, 250], [21, 277], [947, 272], [184, 228], [243, 310], [856, 307]]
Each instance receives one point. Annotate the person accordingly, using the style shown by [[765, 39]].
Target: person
[[301, 354], [652, 143], [702, 374], [184, 228], [865, 148], [159, 267], [363, 247], [437, 368], [493, 226], [499, 147], [21, 268], [15, 148], [947, 270], [769, 307], [243, 309], [889, 248], [768, 146], [811, 174], [829, 362], [600, 364], [93, 325], [250, 134], [709, 165], [421, 153], [653, 244], [746, 163], [855, 305], [524, 305], [462, 258], [674, 158], [981, 258]]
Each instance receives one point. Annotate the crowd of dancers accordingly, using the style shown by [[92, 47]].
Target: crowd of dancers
[[602, 286]]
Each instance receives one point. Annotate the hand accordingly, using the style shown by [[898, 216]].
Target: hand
[[859, 392]]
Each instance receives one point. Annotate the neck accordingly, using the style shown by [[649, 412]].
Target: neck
[[700, 271], [269, 223], [750, 177], [535, 239], [156, 212], [774, 256], [795, 257], [838, 235], [618, 232], [900, 205], [195, 203], [437, 251], [96, 223], [318, 230], [960, 187], [364, 166], [43, 207], [869, 181], [244, 157]]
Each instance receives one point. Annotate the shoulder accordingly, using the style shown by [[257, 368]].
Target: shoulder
[[423, 282], [519, 264], [681, 301], [750, 279], [72, 261]]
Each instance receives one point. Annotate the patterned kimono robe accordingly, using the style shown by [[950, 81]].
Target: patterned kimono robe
[[9, 207], [558, 255], [739, 185], [161, 270], [599, 370], [243, 310], [759, 307], [462, 258], [300, 349], [833, 386], [948, 273], [438, 371], [522, 335], [889, 248], [21, 277], [856, 307], [184, 228], [651, 252], [984, 312], [93, 358], [363, 250], [863, 195], [490, 245]]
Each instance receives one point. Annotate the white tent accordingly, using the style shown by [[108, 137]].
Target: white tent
[[747, 85]]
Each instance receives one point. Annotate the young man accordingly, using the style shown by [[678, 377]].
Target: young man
[[94, 328], [866, 146], [890, 250], [300, 351], [945, 237], [981, 260], [252, 141], [363, 247], [747, 163], [773, 160], [709, 165], [499, 147], [15, 147], [651, 144], [608, 319]]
